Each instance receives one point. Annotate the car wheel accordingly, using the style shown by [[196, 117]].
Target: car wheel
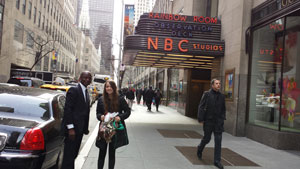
[[59, 159]]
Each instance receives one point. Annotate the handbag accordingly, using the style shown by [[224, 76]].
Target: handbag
[[121, 137], [202, 112]]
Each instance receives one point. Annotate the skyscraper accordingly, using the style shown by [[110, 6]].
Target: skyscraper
[[142, 6], [100, 31]]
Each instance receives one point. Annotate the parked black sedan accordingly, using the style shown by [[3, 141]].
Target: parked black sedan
[[30, 128]]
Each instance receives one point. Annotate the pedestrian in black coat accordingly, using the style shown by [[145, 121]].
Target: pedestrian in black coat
[[108, 103], [76, 119], [157, 98], [130, 97], [213, 104], [149, 95], [138, 95]]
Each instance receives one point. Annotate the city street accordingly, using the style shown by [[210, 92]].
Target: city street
[[168, 140]]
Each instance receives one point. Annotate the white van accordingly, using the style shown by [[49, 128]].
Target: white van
[[99, 81]]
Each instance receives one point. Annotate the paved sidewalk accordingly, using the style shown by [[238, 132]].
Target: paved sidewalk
[[149, 149]]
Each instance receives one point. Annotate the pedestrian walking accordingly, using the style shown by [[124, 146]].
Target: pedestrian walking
[[138, 95], [76, 119], [108, 103], [157, 98], [149, 96], [130, 97], [144, 95], [212, 112]]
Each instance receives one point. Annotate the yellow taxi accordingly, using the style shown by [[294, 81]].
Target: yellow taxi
[[55, 87]]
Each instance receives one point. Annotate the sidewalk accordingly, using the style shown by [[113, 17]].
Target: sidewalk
[[168, 140]]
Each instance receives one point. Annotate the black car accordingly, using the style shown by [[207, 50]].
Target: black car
[[30, 128]]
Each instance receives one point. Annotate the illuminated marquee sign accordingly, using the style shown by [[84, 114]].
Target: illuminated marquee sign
[[179, 26], [166, 34], [183, 45]]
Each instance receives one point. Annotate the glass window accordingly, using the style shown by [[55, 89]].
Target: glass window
[[39, 21], [275, 75], [174, 86], [1, 18], [19, 31], [29, 10], [27, 106], [18, 4], [24, 7], [34, 14], [43, 23], [266, 74], [46, 63], [30, 39], [290, 109]]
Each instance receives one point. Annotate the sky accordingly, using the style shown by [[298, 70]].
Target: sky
[[117, 28]]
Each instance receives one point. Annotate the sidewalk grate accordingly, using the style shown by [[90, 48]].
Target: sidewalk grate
[[229, 157], [179, 134]]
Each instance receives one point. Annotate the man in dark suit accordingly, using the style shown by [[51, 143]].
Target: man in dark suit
[[76, 119], [213, 104]]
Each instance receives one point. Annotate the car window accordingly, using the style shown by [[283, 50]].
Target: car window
[[61, 105], [99, 80], [24, 106], [37, 83], [25, 82]]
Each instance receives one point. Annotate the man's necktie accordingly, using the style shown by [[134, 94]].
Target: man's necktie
[[87, 97]]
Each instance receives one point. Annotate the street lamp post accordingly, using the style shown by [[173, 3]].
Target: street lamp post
[[121, 42]]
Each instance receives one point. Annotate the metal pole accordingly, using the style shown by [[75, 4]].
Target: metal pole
[[120, 45]]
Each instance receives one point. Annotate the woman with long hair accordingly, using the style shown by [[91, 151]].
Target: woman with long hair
[[111, 102]]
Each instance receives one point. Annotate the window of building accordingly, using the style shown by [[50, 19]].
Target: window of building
[[46, 63], [18, 4], [54, 13], [45, 4], [275, 75], [50, 26], [34, 14], [1, 18], [24, 7], [39, 19], [48, 8], [43, 22], [86, 50], [29, 10], [51, 9], [47, 26], [30, 39], [19, 31]]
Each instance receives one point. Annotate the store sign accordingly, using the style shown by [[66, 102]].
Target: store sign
[[276, 27], [285, 3], [270, 8], [183, 18]]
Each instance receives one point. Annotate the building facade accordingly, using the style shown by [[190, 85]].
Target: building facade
[[142, 6], [100, 29], [27, 25], [259, 69]]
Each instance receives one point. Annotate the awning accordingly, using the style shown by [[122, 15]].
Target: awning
[[174, 41]]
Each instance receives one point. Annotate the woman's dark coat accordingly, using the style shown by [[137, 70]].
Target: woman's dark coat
[[124, 113]]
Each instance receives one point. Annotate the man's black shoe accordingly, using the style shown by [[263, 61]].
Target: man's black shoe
[[199, 154], [219, 165]]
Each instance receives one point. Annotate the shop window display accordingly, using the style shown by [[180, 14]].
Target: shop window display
[[275, 75], [290, 109]]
